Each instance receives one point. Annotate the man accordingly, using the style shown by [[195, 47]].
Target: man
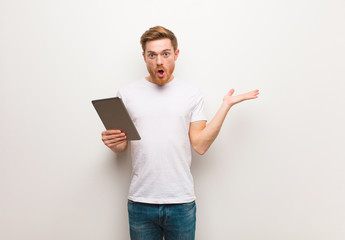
[[168, 114]]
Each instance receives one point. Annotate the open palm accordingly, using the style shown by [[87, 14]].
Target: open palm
[[231, 100]]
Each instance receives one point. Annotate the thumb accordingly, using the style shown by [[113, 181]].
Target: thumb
[[231, 92]]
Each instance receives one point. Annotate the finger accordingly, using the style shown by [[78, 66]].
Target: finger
[[231, 92], [115, 144], [251, 96], [110, 136], [114, 131], [113, 136], [256, 92], [110, 132], [253, 93]]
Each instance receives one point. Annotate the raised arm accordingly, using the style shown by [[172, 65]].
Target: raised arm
[[202, 135]]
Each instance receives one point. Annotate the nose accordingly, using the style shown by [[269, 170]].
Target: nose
[[159, 60]]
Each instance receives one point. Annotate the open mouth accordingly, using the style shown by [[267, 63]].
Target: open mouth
[[160, 72]]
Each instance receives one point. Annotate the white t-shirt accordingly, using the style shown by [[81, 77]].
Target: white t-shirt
[[161, 160]]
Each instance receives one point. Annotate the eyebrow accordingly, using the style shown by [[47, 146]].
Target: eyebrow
[[165, 50]]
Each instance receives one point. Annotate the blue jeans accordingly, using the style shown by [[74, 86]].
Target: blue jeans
[[153, 221]]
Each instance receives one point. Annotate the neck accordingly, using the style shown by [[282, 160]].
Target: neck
[[161, 83]]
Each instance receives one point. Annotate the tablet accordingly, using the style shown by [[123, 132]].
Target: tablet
[[114, 115]]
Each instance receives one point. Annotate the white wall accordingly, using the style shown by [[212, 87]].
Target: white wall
[[276, 171]]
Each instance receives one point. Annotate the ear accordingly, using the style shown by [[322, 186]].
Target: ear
[[176, 54], [144, 56]]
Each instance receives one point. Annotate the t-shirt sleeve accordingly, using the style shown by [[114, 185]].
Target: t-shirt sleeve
[[198, 111]]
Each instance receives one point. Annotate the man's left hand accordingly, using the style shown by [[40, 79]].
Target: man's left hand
[[231, 100]]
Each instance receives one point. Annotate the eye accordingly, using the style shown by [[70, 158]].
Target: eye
[[166, 54], [151, 55]]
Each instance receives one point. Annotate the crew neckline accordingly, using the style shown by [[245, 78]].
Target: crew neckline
[[160, 86]]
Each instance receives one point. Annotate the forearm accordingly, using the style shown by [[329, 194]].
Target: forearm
[[202, 136], [207, 136]]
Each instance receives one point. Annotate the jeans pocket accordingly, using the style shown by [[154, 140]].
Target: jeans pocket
[[189, 204]]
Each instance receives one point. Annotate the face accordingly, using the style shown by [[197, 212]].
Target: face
[[160, 60]]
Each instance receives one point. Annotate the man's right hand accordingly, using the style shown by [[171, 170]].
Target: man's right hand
[[115, 140]]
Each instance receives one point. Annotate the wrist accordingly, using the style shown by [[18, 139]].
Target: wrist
[[119, 148], [226, 106]]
